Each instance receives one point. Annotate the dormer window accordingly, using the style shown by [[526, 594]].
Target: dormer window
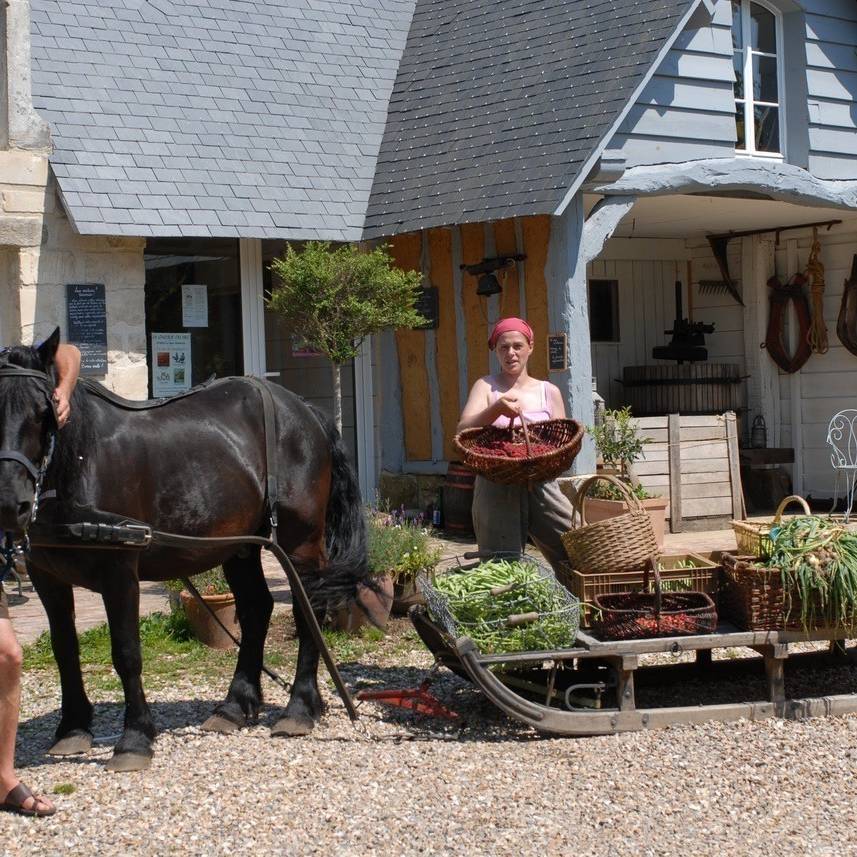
[[757, 56]]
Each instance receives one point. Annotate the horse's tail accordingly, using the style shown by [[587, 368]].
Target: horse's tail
[[345, 527]]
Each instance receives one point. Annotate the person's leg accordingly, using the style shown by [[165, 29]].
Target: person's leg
[[10, 701], [499, 516], [551, 515]]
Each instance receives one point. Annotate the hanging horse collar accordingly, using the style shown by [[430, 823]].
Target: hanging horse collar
[[775, 339]]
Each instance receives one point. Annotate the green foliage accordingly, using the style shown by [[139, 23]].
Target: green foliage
[[336, 297], [211, 582], [399, 546], [608, 491], [617, 440], [64, 789]]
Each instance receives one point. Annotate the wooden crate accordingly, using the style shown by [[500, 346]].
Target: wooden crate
[[705, 576]]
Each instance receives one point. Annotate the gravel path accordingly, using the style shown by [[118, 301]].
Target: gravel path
[[768, 788]]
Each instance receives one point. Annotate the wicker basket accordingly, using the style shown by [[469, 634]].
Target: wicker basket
[[641, 615], [753, 537], [568, 614], [565, 436], [622, 543], [705, 576]]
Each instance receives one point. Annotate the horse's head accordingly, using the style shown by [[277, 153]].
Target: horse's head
[[27, 425]]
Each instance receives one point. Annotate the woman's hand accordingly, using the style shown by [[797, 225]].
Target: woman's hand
[[508, 405]]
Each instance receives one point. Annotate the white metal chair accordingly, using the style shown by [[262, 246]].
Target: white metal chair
[[842, 438]]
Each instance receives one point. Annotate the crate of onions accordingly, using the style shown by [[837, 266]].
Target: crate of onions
[[527, 452]]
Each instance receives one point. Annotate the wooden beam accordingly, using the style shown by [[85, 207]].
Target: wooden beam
[[536, 241], [676, 524], [738, 510], [472, 251]]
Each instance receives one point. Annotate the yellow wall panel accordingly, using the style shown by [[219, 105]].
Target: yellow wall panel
[[406, 252], [475, 311], [506, 245], [446, 335], [536, 232]]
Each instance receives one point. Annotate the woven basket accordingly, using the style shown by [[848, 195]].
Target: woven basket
[[622, 543], [641, 615], [565, 436], [753, 537]]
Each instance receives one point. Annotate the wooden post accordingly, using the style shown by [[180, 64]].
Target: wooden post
[[738, 509], [674, 445]]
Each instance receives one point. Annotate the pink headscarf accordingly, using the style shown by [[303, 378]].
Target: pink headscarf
[[506, 325]]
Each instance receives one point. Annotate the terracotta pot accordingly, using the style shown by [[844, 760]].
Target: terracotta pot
[[597, 509], [369, 603], [207, 631], [405, 595]]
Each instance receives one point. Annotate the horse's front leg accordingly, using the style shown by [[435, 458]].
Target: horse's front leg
[[74, 733], [121, 593], [254, 605]]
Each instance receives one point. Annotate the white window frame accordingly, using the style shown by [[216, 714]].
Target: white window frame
[[749, 149]]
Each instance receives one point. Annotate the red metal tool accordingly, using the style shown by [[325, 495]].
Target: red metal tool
[[415, 698]]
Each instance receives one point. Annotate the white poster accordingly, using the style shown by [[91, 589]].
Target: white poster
[[171, 366], [194, 306]]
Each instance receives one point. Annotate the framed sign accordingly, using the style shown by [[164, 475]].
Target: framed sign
[[427, 305], [194, 306], [557, 352], [86, 317]]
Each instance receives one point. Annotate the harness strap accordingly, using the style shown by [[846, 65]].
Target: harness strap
[[775, 337], [270, 426], [11, 455]]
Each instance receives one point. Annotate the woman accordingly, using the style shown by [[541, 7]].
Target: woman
[[504, 515]]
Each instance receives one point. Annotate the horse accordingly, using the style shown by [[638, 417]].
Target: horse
[[194, 465]]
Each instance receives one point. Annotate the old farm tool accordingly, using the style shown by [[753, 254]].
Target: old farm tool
[[775, 340], [417, 699], [846, 324], [815, 272]]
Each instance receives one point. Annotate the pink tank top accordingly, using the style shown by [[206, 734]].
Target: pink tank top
[[538, 416]]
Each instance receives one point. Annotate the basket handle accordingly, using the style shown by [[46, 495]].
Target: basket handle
[[526, 432], [792, 498], [632, 501]]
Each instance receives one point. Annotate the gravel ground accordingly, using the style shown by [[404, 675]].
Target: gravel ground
[[767, 788]]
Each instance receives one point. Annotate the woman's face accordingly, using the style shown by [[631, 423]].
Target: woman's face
[[513, 352]]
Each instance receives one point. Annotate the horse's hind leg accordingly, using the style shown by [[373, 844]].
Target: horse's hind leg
[[135, 749], [254, 605], [74, 733]]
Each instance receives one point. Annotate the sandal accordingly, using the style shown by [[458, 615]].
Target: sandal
[[16, 799]]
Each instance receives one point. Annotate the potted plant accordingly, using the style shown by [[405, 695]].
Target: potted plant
[[619, 445], [403, 548], [216, 594]]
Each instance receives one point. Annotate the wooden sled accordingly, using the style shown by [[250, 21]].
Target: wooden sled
[[546, 690]]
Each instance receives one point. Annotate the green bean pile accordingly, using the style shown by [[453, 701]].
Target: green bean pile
[[819, 566], [481, 611]]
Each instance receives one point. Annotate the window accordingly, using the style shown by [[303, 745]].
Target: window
[[756, 44], [604, 310]]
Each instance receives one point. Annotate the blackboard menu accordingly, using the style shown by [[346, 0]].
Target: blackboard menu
[[426, 305], [557, 352], [86, 312]]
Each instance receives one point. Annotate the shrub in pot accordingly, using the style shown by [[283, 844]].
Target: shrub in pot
[[619, 445], [216, 594]]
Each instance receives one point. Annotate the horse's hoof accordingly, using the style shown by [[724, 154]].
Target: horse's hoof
[[292, 727], [73, 744], [218, 723], [121, 763]]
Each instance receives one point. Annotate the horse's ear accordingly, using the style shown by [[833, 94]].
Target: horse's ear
[[48, 349]]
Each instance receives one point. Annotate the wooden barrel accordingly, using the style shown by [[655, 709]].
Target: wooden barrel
[[458, 499]]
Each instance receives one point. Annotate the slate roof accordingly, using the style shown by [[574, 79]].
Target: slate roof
[[221, 118], [499, 106]]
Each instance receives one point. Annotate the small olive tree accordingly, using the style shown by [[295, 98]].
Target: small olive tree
[[337, 297]]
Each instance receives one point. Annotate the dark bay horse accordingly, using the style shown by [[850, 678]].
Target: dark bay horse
[[195, 466]]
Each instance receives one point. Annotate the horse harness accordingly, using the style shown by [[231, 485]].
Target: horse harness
[[775, 338]]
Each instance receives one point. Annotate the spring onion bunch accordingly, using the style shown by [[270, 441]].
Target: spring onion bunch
[[485, 601], [818, 560]]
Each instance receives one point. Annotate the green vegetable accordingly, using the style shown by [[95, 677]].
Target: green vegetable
[[482, 600], [818, 560]]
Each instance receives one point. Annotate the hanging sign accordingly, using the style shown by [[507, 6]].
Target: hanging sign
[[86, 316], [557, 352], [194, 306], [427, 305], [171, 364]]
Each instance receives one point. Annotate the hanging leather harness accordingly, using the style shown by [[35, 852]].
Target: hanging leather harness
[[775, 339], [846, 323]]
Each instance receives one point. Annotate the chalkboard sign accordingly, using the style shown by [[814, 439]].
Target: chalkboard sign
[[426, 305], [86, 313], [557, 352]]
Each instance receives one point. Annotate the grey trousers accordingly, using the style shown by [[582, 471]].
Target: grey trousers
[[504, 515]]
